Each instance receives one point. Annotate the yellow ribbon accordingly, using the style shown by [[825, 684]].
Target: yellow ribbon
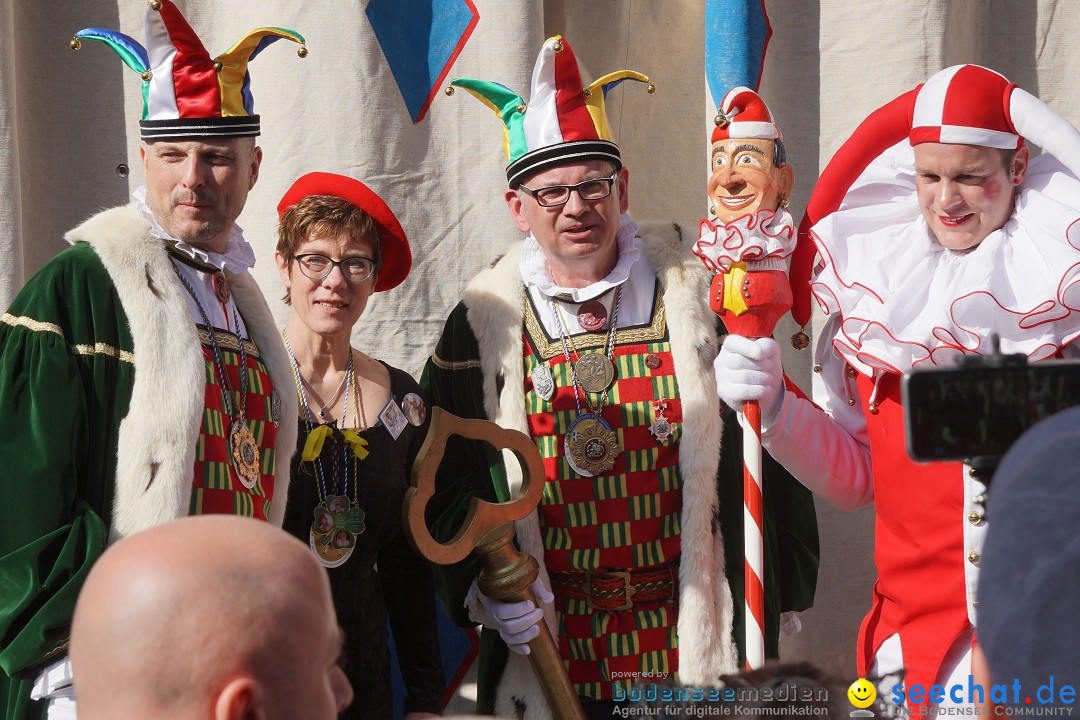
[[357, 444], [315, 439], [314, 443]]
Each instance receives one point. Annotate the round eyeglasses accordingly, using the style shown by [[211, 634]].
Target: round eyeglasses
[[317, 267], [556, 195]]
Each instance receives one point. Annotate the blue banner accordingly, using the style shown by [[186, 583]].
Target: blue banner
[[737, 33], [420, 40]]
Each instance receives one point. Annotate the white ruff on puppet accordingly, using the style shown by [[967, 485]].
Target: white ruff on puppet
[[748, 241]]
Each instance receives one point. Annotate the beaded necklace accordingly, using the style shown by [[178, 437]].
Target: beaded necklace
[[590, 443], [338, 519], [244, 449]]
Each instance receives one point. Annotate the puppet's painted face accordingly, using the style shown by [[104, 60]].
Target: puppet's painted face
[[745, 178]]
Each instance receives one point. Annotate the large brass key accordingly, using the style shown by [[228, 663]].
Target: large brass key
[[488, 529]]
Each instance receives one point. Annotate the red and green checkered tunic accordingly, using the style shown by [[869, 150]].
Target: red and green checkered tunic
[[216, 489], [625, 519]]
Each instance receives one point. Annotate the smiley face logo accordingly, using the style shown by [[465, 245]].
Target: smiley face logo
[[862, 693]]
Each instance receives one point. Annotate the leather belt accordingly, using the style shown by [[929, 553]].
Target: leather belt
[[615, 590]]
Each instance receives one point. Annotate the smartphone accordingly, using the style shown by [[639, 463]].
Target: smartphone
[[979, 411]]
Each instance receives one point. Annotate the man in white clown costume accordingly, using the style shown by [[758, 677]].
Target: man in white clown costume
[[935, 230], [122, 404], [596, 340]]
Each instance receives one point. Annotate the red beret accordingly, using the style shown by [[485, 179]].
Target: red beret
[[396, 257]]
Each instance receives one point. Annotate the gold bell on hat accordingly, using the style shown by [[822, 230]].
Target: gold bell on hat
[[155, 5], [449, 90], [75, 44], [721, 120], [650, 88], [557, 47], [800, 340], [302, 51]]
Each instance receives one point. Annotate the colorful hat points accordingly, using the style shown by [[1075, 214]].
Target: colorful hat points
[[396, 256], [563, 121], [186, 93]]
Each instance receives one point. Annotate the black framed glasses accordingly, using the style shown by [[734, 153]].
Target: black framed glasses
[[556, 195], [317, 267]]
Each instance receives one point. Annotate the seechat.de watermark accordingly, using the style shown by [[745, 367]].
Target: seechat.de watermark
[[1007, 699]]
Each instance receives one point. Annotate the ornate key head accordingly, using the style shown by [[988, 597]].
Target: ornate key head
[[483, 517]]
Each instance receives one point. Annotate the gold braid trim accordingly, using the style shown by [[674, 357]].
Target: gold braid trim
[[95, 349], [61, 648], [228, 341], [549, 347], [31, 324], [449, 365], [109, 350]]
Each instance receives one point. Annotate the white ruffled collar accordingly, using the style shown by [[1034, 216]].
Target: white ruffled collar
[[239, 257], [766, 235], [534, 269], [906, 301]]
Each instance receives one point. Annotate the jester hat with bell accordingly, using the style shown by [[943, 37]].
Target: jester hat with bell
[[563, 122], [743, 114], [963, 104], [186, 93]]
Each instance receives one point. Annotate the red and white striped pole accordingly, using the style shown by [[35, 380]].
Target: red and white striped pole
[[761, 297], [753, 538]]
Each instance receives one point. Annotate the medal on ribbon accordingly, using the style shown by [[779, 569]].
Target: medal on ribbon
[[334, 528], [245, 454], [661, 428], [543, 382], [591, 445], [595, 372]]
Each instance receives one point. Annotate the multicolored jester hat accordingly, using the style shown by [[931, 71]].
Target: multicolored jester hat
[[186, 93]]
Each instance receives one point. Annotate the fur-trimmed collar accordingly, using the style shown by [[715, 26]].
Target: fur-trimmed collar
[[495, 301], [157, 438]]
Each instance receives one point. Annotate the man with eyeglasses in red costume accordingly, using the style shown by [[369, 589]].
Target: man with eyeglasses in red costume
[[596, 340]]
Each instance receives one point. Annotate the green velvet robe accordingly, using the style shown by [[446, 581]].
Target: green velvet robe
[[82, 433], [65, 368]]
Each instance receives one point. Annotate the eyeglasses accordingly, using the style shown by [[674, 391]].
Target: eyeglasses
[[556, 195], [317, 267]]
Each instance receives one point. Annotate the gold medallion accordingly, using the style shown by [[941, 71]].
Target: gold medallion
[[591, 445], [595, 372], [245, 454]]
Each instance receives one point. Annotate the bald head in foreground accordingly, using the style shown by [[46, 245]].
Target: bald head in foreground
[[208, 617]]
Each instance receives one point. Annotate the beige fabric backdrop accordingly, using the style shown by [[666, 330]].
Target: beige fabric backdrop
[[67, 120]]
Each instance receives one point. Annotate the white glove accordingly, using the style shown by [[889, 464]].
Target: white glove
[[750, 370], [517, 622]]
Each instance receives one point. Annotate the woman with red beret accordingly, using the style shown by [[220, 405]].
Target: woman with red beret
[[338, 243]]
